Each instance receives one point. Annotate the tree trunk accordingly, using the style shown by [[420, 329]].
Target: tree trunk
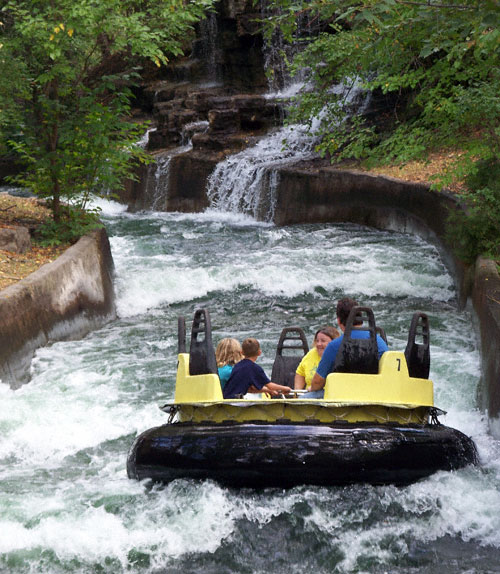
[[56, 200]]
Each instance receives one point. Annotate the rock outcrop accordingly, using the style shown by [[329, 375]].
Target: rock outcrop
[[16, 239]]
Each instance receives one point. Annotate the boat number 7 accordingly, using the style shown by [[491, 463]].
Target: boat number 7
[[399, 364]]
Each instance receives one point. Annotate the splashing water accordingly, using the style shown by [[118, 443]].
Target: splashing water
[[66, 503], [241, 182]]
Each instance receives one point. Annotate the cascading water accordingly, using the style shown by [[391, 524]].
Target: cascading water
[[246, 182], [157, 178], [66, 504], [156, 181], [192, 128], [208, 50], [243, 182]]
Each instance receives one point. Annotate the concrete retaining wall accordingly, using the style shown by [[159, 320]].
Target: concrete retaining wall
[[332, 195], [61, 300], [486, 301]]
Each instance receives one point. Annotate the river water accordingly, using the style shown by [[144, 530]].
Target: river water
[[66, 504]]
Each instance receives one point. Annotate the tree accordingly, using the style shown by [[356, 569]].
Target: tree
[[67, 71], [431, 66]]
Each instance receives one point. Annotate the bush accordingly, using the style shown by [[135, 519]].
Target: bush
[[74, 223], [476, 230]]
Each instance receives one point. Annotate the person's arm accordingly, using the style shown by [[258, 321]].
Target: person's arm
[[299, 382], [317, 382], [382, 346], [274, 389], [325, 365]]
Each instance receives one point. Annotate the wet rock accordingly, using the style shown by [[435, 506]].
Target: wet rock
[[224, 143], [224, 120]]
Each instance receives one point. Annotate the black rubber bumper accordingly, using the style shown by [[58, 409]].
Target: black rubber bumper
[[285, 455]]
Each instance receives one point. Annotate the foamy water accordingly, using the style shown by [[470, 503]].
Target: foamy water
[[66, 504]]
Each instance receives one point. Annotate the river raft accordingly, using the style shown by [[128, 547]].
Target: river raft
[[378, 427]]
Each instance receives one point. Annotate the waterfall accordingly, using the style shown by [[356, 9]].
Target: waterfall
[[247, 181], [241, 183], [157, 177], [161, 177], [207, 50], [157, 180], [144, 141], [188, 130]]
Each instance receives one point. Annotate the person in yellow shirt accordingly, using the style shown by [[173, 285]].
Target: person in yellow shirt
[[307, 367]]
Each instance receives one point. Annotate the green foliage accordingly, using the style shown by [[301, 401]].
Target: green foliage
[[432, 69], [67, 71], [73, 223], [477, 231]]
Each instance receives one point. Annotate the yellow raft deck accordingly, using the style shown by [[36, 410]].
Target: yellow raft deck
[[368, 427], [391, 396]]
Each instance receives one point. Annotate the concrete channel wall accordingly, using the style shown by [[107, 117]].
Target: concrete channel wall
[[64, 299], [486, 301]]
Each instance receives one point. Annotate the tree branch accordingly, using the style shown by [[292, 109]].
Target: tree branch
[[493, 299], [431, 5]]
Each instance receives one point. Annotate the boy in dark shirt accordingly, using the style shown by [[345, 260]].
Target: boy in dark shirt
[[248, 377]]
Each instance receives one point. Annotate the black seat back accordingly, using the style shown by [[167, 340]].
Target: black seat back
[[418, 355], [285, 365], [201, 350], [381, 333], [358, 355], [181, 335]]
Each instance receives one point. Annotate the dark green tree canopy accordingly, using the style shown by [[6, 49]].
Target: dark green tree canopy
[[67, 69]]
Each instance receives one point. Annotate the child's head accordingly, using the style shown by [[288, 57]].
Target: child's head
[[250, 347], [228, 352]]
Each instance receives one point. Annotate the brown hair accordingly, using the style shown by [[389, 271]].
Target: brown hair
[[328, 331], [228, 352], [344, 307], [250, 347]]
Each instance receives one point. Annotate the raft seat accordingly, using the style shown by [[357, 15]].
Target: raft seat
[[418, 354], [292, 339], [358, 355], [197, 376], [392, 385], [195, 388], [201, 350]]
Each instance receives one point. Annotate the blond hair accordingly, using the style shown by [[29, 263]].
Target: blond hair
[[228, 352]]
